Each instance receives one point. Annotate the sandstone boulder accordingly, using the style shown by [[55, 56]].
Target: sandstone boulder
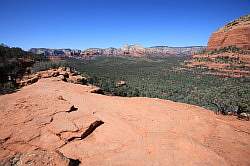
[[22, 83], [244, 115], [55, 73], [60, 69], [61, 77], [120, 83], [32, 80], [68, 70], [28, 81], [64, 73], [78, 79], [96, 90]]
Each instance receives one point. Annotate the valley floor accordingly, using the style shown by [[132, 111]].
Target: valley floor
[[136, 131]]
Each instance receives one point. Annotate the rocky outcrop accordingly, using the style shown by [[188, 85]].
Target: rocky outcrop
[[62, 73], [236, 33], [39, 126], [96, 90], [39, 157], [228, 51], [120, 83], [133, 50]]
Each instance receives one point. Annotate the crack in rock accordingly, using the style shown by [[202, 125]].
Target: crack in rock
[[73, 162], [87, 132], [72, 109]]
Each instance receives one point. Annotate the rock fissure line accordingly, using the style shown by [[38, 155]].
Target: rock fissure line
[[86, 133], [90, 129], [72, 109]]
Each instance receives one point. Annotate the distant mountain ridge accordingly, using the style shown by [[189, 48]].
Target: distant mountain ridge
[[51, 51], [127, 50], [3, 45]]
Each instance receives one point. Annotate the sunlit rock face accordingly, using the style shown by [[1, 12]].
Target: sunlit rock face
[[235, 33]]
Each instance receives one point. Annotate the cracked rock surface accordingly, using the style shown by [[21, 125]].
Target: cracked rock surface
[[36, 128]]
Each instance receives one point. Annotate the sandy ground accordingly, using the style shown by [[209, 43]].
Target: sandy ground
[[136, 131]]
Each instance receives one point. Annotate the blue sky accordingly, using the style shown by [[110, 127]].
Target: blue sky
[[105, 23]]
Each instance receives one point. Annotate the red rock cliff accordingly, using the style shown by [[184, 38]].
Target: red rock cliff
[[235, 33]]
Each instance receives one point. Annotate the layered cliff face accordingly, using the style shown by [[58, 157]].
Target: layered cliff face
[[235, 33], [126, 50], [55, 52], [140, 51], [164, 50], [133, 50], [228, 51]]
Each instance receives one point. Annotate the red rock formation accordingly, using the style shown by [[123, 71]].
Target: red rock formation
[[37, 128], [236, 33], [229, 61]]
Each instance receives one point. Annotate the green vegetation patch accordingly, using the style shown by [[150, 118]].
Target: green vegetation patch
[[14, 63], [158, 78], [237, 21], [229, 49]]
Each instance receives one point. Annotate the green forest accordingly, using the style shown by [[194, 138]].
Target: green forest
[[162, 78], [154, 77], [14, 63]]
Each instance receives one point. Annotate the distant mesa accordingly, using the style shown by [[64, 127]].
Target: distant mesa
[[55, 52], [127, 50]]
